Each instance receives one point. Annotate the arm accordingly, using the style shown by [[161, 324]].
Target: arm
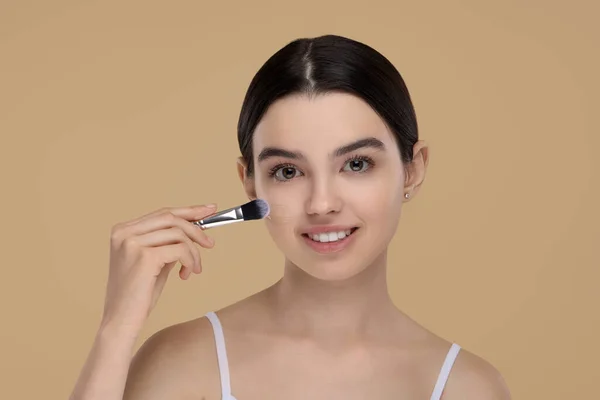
[[105, 371], [142, 253]]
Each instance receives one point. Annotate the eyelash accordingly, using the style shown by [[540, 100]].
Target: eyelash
[[366, 159]]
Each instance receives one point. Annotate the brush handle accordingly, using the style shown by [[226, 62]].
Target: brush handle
[[221, 218]]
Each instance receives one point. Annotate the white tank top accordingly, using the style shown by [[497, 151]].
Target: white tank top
[[224, 363]]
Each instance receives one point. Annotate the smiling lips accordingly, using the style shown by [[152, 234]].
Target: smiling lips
[[326, 237], [329, 240]]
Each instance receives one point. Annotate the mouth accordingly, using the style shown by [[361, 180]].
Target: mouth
[[330, 237]]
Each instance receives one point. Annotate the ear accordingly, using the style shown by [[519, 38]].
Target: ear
[[247, 182], [416, 169]]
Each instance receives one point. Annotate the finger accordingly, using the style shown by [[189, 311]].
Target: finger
[[184, 273], [169, 236], [168, 220], [189, 213], [179, 252]]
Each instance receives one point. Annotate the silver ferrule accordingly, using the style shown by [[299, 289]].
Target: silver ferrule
[[221, 218]]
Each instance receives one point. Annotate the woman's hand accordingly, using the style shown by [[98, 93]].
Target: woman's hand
[[142, 253]]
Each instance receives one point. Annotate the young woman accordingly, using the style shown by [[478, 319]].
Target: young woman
[[328, 136]]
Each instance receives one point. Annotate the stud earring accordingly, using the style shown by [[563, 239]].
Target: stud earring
[[406, 196]]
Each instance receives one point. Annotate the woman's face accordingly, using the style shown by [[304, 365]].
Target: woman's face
[[331, 171]]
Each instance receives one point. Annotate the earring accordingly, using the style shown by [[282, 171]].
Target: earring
[[406, 196]]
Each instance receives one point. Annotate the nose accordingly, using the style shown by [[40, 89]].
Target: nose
[[324, 198]]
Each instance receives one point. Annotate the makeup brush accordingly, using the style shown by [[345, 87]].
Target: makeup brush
[[255, 209]]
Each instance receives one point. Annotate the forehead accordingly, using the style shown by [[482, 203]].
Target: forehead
[[329, 120]]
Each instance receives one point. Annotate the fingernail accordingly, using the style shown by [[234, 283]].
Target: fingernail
[[211, 205]]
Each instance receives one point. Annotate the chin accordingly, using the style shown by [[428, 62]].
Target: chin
[[339, 266], [332, 272]]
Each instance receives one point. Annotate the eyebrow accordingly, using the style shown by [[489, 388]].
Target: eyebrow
[[371, 142]]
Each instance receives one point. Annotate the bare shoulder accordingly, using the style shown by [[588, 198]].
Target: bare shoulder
[[472, 377], [178, 361]]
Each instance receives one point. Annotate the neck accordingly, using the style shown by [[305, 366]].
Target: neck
[[351, 310]]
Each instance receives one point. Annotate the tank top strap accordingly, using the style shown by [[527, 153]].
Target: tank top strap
[[445, 372], [221, 355]]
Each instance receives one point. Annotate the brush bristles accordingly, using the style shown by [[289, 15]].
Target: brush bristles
[[256, 209]]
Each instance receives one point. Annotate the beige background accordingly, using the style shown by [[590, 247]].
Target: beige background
[[109, 109]]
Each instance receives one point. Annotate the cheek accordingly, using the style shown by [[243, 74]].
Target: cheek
[[285, 215], [382, 187], [285, 206], [379, 201]]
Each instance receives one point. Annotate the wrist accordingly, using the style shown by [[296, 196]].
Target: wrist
[[113, 333]]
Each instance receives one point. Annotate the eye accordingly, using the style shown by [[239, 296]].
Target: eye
[[285, 173], [357, 165]]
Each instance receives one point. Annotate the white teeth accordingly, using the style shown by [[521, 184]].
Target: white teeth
[[324, 237], [331, 236]]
